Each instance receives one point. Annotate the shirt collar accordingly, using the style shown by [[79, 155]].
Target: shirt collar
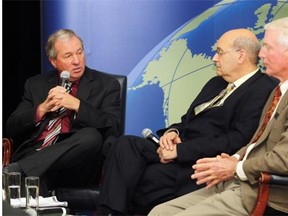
[[241, 80], [284, 87]]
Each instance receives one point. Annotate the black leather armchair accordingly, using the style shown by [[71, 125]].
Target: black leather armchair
[[80, 200]]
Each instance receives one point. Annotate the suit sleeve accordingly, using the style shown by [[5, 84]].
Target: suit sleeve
[[21, 124], [101, 109]]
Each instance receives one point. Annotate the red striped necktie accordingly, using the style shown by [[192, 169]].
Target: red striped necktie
[[276, 98], [54, 125]]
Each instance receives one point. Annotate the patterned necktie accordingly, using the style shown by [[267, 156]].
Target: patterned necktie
[[54, 125], [215, 101], [276, 98]]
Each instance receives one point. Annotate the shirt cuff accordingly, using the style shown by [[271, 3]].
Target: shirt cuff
[[172, 130], [240, 172], [37, 117], [236, 156]]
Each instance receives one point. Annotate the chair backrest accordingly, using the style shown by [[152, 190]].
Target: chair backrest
[[122, 79]]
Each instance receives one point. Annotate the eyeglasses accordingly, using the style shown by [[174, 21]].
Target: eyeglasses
[[221, 52]]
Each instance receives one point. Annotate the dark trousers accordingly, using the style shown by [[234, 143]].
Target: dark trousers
[[74, 160], [134, 177]]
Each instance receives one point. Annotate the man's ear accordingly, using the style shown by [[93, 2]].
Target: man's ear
[[243, 55], [53, 62]]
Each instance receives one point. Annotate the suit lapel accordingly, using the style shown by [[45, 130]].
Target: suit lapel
[[51, 82], [235, 94], [191, 113], [247, 83], [84, 88], [85, 85], [209, 95], [282, 104]]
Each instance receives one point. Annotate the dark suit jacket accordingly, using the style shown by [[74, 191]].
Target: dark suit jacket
[[220, 129], [99, 94]]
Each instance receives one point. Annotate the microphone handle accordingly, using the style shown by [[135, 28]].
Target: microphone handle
[[63, 81], [153, 139]]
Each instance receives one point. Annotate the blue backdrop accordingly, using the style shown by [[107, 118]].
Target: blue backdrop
[[164, 47]]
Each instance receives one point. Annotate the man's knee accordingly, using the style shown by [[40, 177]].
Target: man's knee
[[89, 133], [89, 138], [122, 142]]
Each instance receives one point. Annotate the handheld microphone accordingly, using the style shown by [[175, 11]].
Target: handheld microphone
[[65, 75], [147, 133]]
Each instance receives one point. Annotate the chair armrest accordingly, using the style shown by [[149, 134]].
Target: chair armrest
[[265, 180], [279, 180], [7, 145]]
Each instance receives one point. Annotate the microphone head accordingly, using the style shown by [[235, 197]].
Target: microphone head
[[146, 132], [65, 75]]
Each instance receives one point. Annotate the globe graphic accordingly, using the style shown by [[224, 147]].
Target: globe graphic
[[163, 85]]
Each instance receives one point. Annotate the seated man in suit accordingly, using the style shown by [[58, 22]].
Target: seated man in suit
[[232, 180], [138, 173], [58, 130]]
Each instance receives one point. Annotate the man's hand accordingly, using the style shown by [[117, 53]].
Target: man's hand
[[57, 98], [167, 156], [212, 171], [168, 141]]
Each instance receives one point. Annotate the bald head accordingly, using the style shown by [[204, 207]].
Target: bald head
[[237, 54], [243, 39], [232, 34]]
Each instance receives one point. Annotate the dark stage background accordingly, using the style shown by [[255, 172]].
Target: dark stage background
[[21, 52]]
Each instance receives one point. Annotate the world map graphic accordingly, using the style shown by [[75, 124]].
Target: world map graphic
[[163, 85]]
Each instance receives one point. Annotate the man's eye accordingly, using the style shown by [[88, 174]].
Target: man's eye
[[67, 56]]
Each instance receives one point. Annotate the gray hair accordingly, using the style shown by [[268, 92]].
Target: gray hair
[[251, 46], [60, 34], [280, 25]]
